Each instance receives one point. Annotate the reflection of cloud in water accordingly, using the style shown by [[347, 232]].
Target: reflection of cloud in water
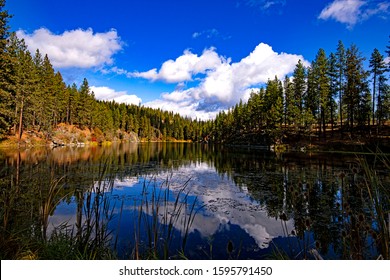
[[224, 203], [64, 214]]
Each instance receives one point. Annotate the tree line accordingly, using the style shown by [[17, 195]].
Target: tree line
[[335, 92], [34, 96]]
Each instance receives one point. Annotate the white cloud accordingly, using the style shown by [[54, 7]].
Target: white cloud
[[186, 108], [264, 4], [196, 35], [350, 12], [224, 83], [210, 34], [381, 8], [183, 68], [76, 48], [108, 94]]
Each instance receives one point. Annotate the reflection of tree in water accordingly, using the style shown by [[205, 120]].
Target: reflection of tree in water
[[324, 195], [34, 181]]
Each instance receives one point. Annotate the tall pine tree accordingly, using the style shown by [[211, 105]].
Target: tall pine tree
[[356, 84], [5, 65], [341, 68], [378, 68]]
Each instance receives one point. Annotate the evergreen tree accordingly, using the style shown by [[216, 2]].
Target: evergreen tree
[[60, 99], [5, 75], [38, 97], [388, 53], [273, 103], [23, 88], [384, 100], [332, 68], [320, 69], [4, 28], [84, 105], [72, 104], [378, 68], [341, 68], [289, 106], [311, 100], [356, 78], [299, 77], [45, 107]]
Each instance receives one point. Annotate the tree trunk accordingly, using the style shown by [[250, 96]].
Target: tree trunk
[[373, 101], [323, 122], [21, 120]]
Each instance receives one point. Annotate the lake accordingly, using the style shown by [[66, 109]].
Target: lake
[[196, 201]]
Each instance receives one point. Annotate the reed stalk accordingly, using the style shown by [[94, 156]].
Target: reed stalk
[[161, 218], [379, 199]]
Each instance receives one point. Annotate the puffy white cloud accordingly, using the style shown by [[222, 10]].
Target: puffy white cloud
[[185, 107], [183, 68], [108, 94], [75, 48], [350, 12], [224, 83]]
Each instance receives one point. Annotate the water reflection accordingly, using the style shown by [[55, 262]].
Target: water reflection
[[258, 202]]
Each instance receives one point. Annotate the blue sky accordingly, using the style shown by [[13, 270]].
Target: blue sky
[[192, 57]]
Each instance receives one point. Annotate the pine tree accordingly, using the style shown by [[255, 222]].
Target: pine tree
[[44, 95], [37, 98], [288, 101], [356, 78], [73, 101], [320, 70], [60, 99], [84, 105], [4, 28], [332, 68], [341, 68], [299, 76], [5, 68], [311, 98], [378, 68], [25, 80], [388, 52], [273, 103], [384, 100]]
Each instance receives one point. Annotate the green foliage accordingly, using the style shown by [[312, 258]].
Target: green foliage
[[356, 84], [5, 63], [311, 99], [378, 68]]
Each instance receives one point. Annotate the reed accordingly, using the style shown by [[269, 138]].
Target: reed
[[90, 238], [49, 201], [379, 201], [160, 217]]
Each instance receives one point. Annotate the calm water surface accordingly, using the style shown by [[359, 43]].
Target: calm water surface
[[235, 202]]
